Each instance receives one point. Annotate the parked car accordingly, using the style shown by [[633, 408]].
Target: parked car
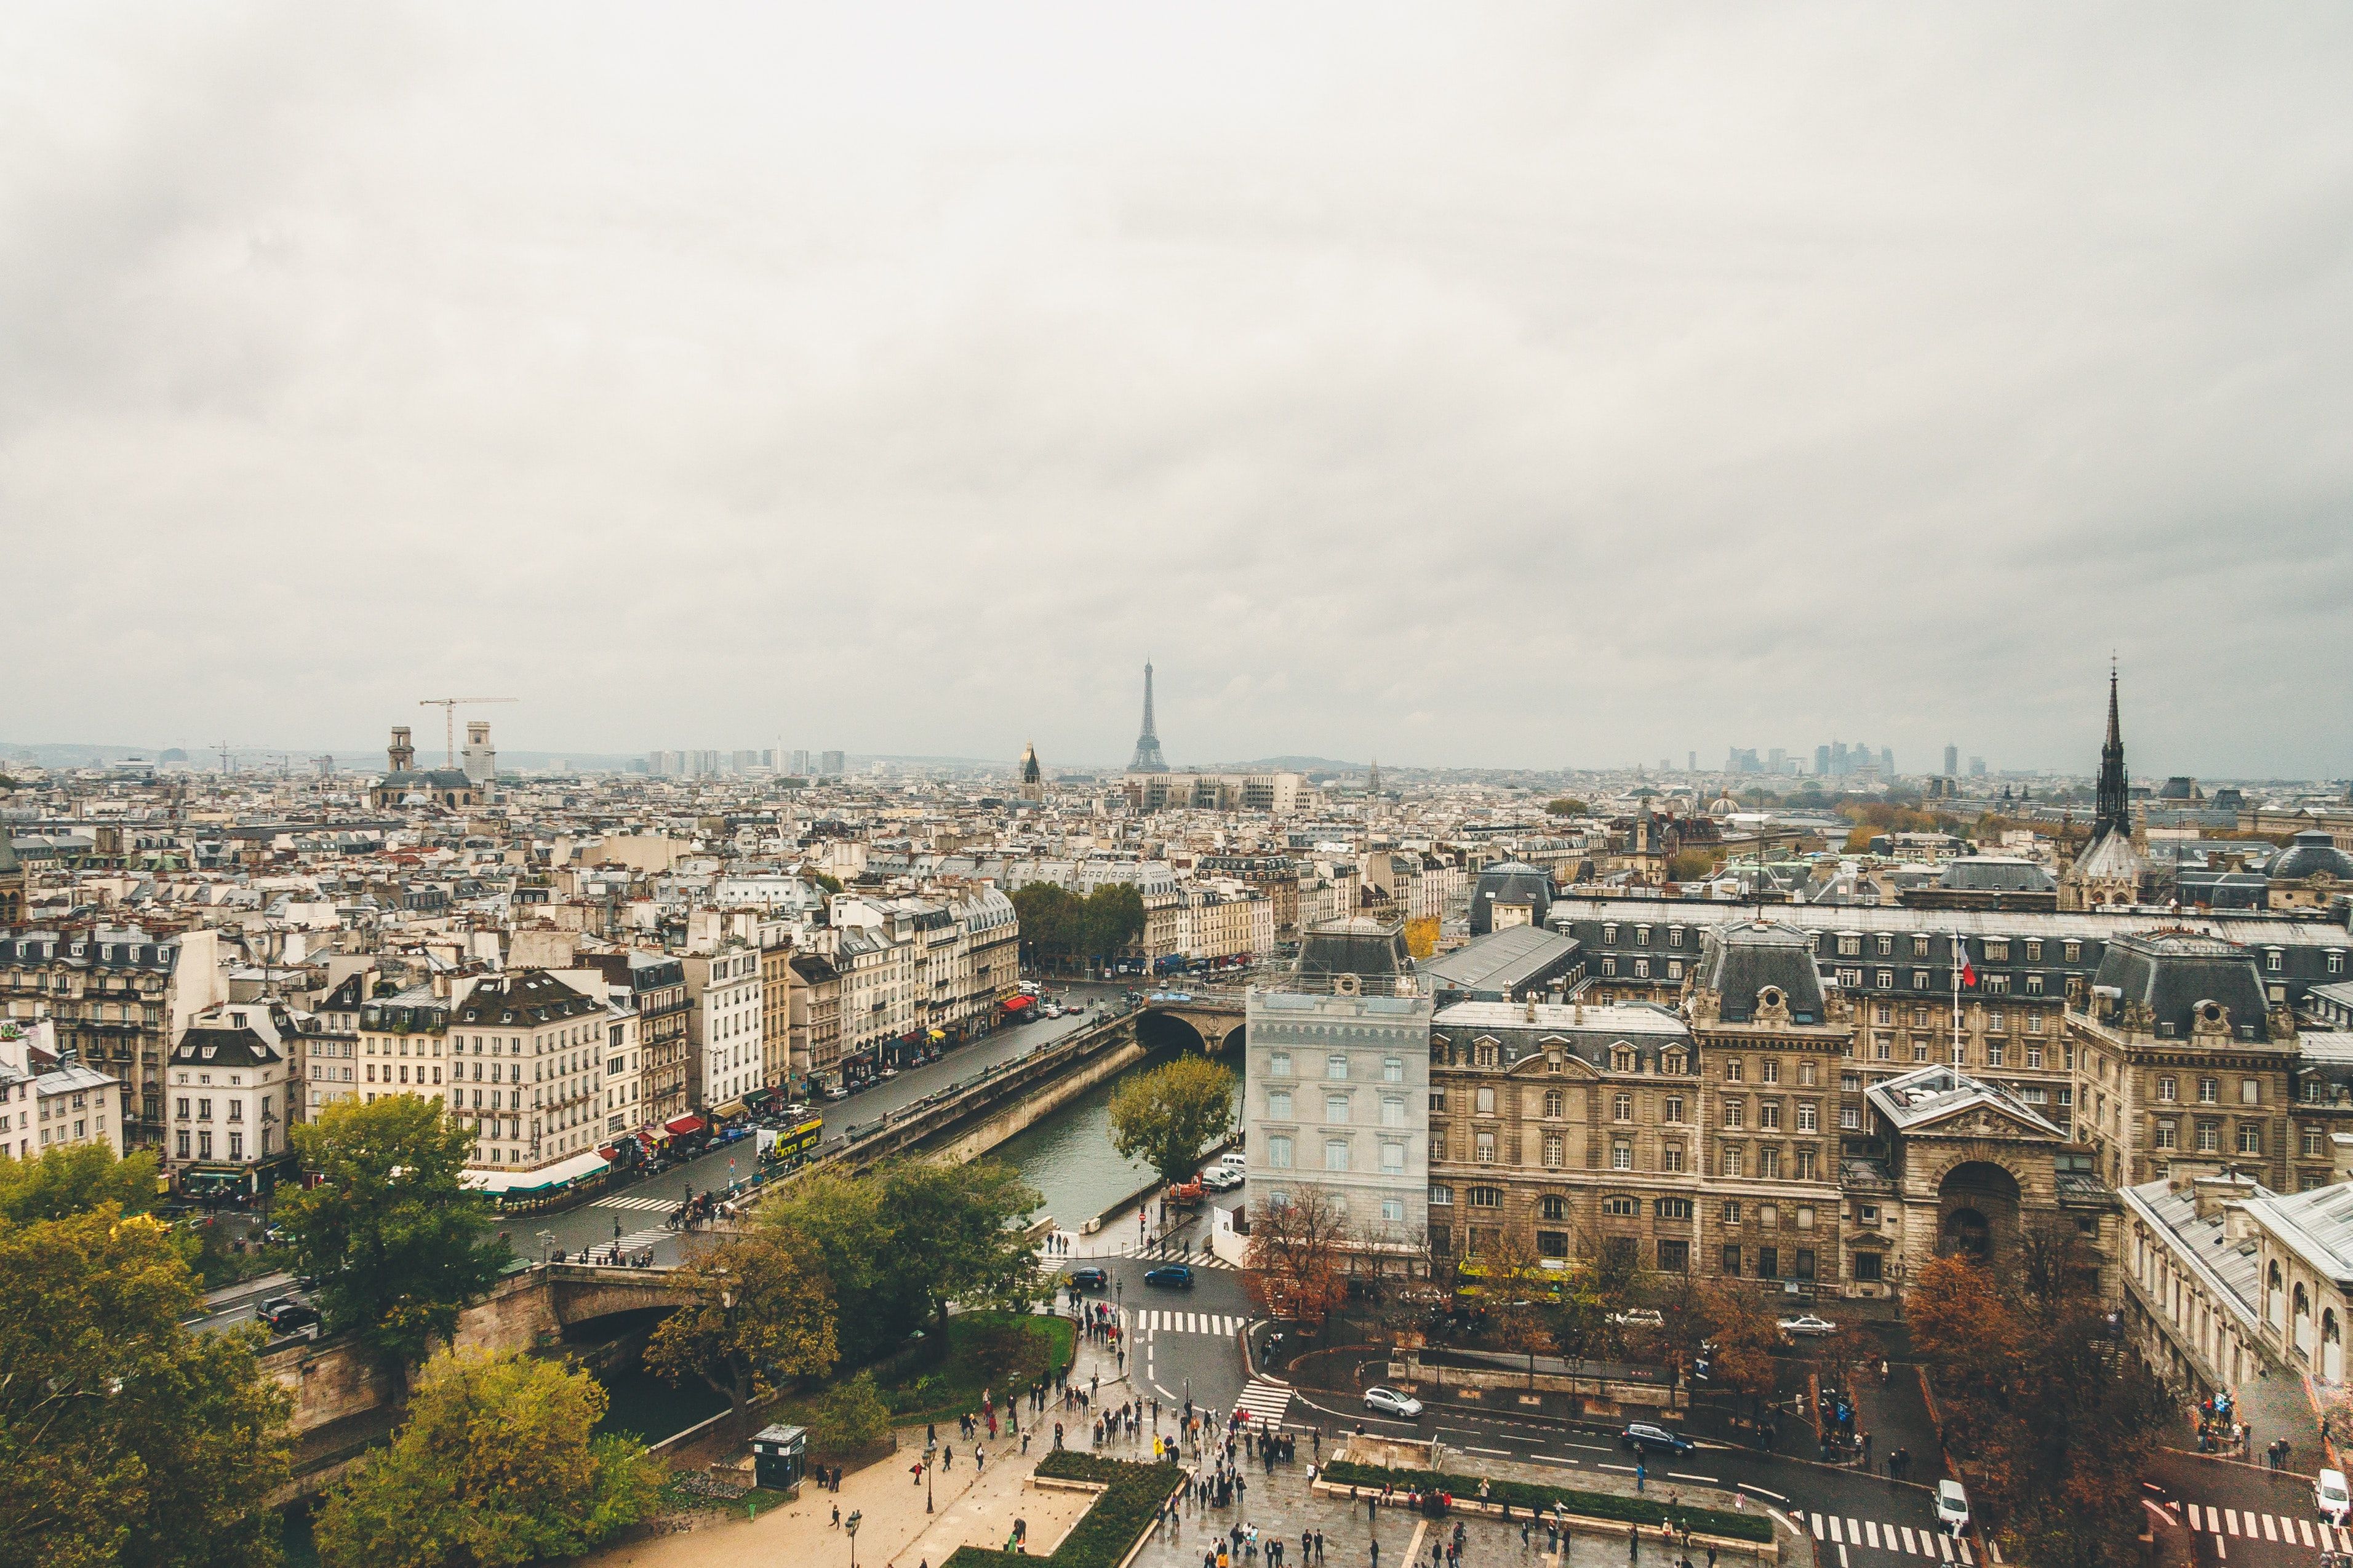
[[1175, 1275], [1807, 1326], [1221, 1178], [1234, 1158], [284, 1314], [1089, 1279], [2329, 1496], [1389, 1401], [1953, 1507], [1639, 1318], [1645, 1437]]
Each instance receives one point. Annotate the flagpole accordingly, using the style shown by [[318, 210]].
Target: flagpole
[[1960, 961]]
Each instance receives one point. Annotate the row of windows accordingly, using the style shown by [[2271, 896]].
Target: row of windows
[[1997, 1021], [2208, 1137], [1337, 1107], [1338, 1153]]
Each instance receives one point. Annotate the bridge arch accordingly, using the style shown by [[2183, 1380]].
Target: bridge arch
[[1190, 1028]]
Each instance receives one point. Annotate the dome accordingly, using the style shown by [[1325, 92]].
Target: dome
[[2313, 853]]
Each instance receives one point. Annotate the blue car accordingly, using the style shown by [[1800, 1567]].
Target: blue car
[[1175, 1275]]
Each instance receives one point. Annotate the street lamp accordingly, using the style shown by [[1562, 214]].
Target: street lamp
[[929, 1449], [546, 1240], [851, 1526]]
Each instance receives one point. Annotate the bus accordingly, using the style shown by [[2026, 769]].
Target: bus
[[792, 1143]]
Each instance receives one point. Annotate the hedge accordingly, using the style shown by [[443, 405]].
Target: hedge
[[1533, 1498], [1106, 1531]]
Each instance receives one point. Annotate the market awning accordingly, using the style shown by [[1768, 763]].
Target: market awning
[[608, 1154], [733, 1108], [563, 1173], [683, 1125], [1015, 1003], [937, 1035], [759, 1096]]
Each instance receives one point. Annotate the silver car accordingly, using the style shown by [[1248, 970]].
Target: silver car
[[1389, 1401]]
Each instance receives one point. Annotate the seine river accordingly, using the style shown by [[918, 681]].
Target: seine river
[[1068, 1156]]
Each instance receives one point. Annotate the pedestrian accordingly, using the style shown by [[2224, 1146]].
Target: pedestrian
[[1633, 1543], [1319, 1546], [1641, 1474], [1376, 1554], [836, 1517]]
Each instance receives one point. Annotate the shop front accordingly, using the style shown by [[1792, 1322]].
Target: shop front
[[859, 1068]]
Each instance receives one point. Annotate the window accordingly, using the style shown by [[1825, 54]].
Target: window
[[1335, 1065], [1674, 1257], [1809, 1116], [1674, 1208], [1608, 964], [1441, 1196], [1805, 1269], [1769, 1162], [1392, 1111], [1486, 1197], [1336, 1109], [1485, 1102], [1768, 1263], [2313, 1143], [1620, 1208], [1849, 1118], [1552, 1151], [1850, 946], [1884, 979], [1641, 969], [1621, 1108], [1806, 1157], [1278, 1103], [1622, 1156], [1674, 1109], [2209, 1137], [1670, 1157], [1806, 1075], [2168, 1135], [1392, 1210], [2250, 1091], [2251, 1138], [1731, 1260], [1278, 1063], [1392, 1156], [1553, 1104], [1732, 1213], [1483, 1147], [1866, 1267], [1621, 1058], [2209, 1090], [1552, 1244], [1769, 1115], [1735, 1113], [1278, 1151], [1392, 1069], [1336, 1153], [1731, 1159], [1732, 1069], [1437, 1099], [1887, 945], [1552, 1205]]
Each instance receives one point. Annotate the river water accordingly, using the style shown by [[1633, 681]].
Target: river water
[[1068, 1156]]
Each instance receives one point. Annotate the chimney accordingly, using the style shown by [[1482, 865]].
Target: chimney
[[2211, 1193], [1532, 1005]]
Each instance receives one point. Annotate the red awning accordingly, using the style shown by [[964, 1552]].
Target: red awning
[[1015, 1003], [610, 1152], [683, 1125]]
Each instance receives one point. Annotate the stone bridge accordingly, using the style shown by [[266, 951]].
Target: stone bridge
[[1212, 1012]]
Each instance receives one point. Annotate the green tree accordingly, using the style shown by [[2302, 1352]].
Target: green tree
[[759, 1315], [1050, 918], [954, 1238], [829, 883], [1113, 917], [1167, 1116], [495, 1465], [850, 1417], [841, 1216], [1690, 865], [73, 1180], [1567, 806], [124, 1439], [396, 1240]]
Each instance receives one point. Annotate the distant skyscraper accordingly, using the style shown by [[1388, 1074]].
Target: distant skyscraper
[[1952, 759], [1147, 758], [1887, 762], [1838, 758], [832, 764], [1777, 759], [800, 762], [1821, 762], [1977, 767]]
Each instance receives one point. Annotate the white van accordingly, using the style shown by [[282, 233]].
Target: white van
[[1952, 1507], [2329, 1496]]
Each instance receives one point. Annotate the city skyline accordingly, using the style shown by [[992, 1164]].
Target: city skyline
[[915, 406]]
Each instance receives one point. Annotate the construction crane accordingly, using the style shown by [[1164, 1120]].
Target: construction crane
[[225, 749], [449, 706]]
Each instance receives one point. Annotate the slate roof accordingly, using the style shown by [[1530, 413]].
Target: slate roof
[[1996, 874], [207, 1046], [2230, 1271], [1740, 960], [1502, 963], [1513, 882], [2317, 1225], [2173, 972], [1935, 1093], [2310, 852], [534, 996], [1586, 1033], [1357, 946]]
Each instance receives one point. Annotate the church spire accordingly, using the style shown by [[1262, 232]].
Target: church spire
[[2113, 806]]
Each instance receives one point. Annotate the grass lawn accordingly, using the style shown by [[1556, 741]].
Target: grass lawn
[[994, 1351]]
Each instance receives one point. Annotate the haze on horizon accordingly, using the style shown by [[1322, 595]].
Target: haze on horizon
[[1537, 386]]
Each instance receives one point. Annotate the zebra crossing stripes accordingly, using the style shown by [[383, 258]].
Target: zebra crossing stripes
[[1265, 1402], [664, 1204], [1157, 1321], [2204, 1518], [1841, 1530]]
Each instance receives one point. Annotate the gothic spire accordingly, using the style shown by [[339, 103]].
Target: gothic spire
[[2114, 807]]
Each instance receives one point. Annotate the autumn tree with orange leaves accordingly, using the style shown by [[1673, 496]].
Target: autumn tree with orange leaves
[[1297, 1265], [2047, 1413]]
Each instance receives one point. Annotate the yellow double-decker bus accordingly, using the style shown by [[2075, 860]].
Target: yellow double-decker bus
[[793, 1143]]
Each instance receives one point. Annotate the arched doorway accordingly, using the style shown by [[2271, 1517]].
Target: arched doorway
[[2274, 1301], [2300, 1307], [2332, 1347], [1977, 1212]]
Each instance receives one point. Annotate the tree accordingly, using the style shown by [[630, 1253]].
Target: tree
[[850, 1417], [396, 1240], [1744, 1335], [1296, 1265], [1113, 919], [1168, 1116], [495, 1465], [1049, 919], [124, 1439], [1519, 1296], [954, 1237], [1690, 865], [841, 1216], [759, 1315], [1058, 927], [1567, 806], [75, 1179]]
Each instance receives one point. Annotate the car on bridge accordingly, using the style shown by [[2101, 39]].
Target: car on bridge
[[284, 1314], [1170, 997], [1173, 1276]]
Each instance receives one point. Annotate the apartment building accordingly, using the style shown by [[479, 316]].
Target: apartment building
[[723, 1061], [525, 1055], [231, 1084], [48, 1100]]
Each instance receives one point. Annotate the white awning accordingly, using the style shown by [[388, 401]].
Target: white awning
[[562, 1173]]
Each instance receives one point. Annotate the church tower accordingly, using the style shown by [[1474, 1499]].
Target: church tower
[[1033, 778], [2111, 869], [400, 754], [2112, 811]]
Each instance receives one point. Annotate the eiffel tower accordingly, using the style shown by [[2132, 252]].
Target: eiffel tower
[[1148, 758]]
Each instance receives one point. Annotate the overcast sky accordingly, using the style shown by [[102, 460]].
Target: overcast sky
[[1543, 386]]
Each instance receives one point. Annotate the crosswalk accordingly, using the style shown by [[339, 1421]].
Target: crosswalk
[[1265, 1401], [635, 1241], [1155, 1320], [1842, 1530], [2206, 1520], [629, 1202]]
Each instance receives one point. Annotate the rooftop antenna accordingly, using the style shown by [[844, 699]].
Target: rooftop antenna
[[449, 706]]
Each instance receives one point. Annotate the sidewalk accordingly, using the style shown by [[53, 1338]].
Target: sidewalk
[[2273, 1407]]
